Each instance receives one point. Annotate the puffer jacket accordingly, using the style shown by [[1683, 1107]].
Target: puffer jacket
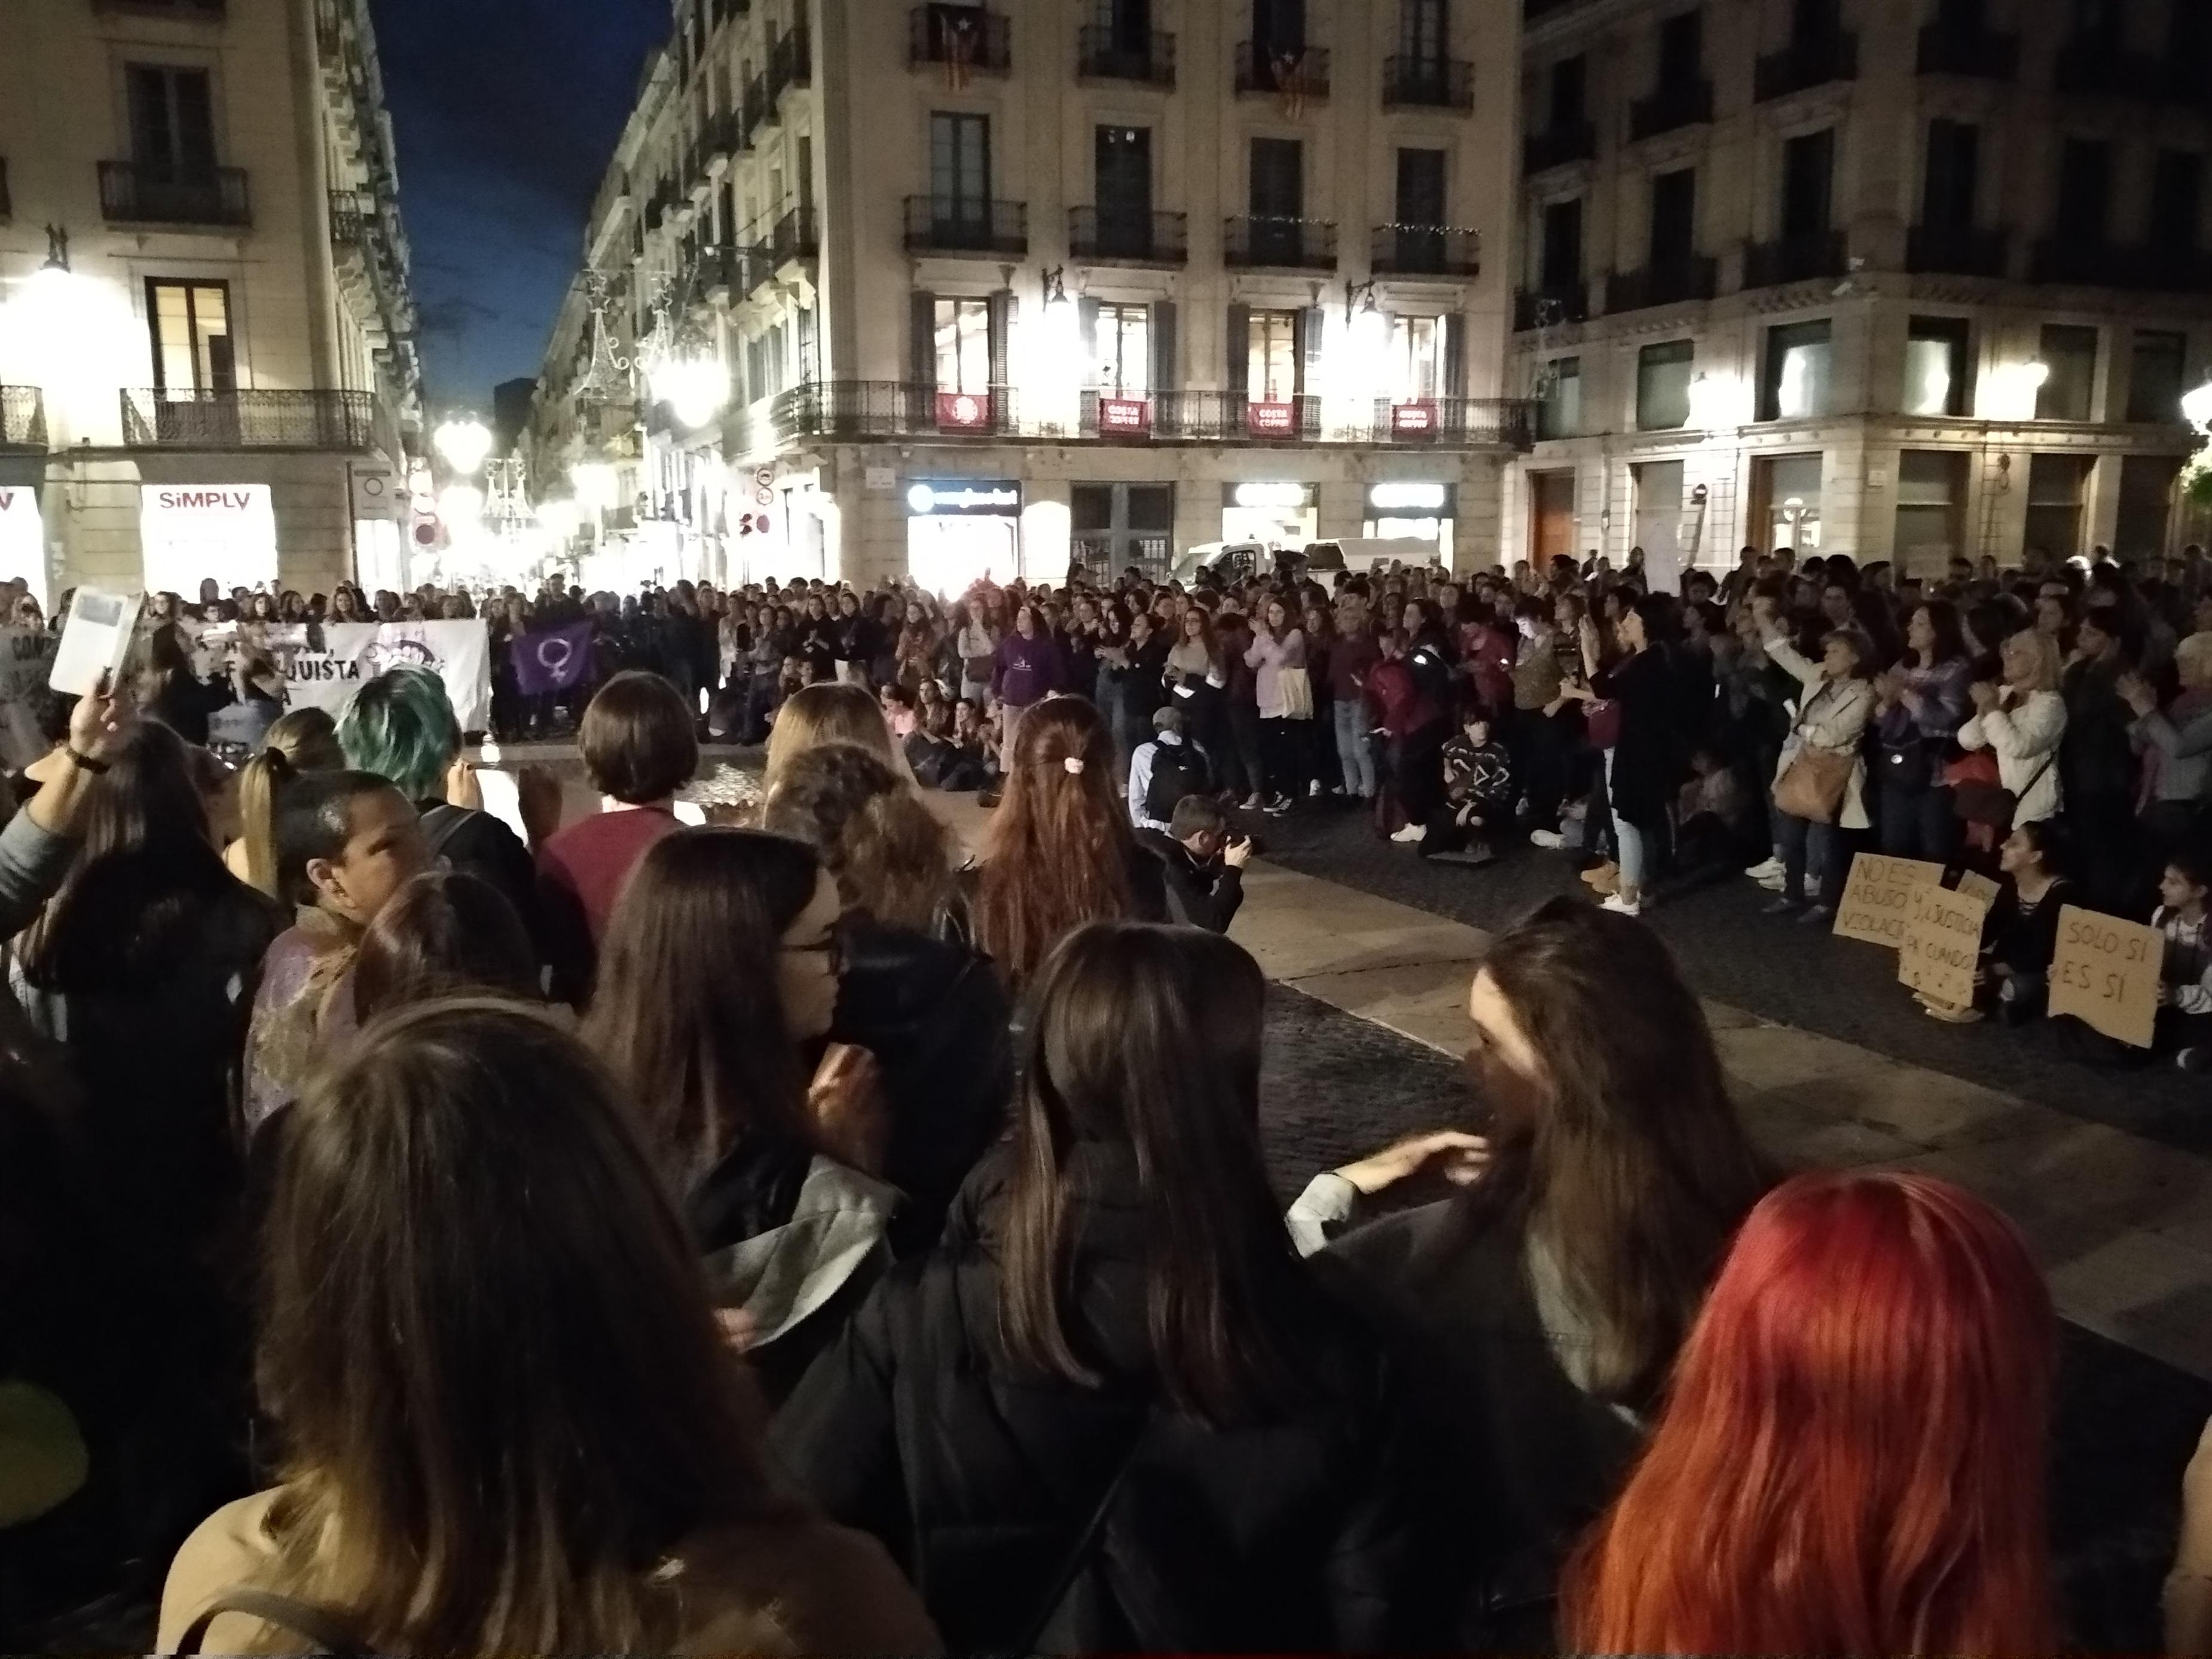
[[1285, 1536]]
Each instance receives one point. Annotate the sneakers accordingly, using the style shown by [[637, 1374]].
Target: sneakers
[[1313, 789], [1251, 805], [1622, 907], [1412, 833], [1550, 840], [1770, 871], [1277, 807], [1815, 914]]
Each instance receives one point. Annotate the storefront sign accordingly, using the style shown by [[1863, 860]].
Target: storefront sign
[[22, 539], [962, 411], [938, 498], [1131, 416], [1413, 420], [1287, 497], [1271, 420], [1432, 500], [188, 532]]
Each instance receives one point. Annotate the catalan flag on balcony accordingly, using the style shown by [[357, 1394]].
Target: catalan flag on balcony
[[959, 52], [1291, 84]]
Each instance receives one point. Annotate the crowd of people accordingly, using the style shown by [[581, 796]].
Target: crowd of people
[[796, 1236]]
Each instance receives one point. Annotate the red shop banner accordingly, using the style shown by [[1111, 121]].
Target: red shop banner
[[1127, 416], [1417, 420], [1271, 420], [962, 411]]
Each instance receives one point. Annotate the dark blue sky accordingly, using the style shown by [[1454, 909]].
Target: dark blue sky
[[506, 112]]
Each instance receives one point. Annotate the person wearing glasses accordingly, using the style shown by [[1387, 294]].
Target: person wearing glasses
[[718, 986]]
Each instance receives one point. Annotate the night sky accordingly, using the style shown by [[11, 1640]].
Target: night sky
[[507, 112]]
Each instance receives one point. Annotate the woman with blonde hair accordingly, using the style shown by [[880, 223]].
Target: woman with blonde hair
[[509, 1421], [1062, 851], [817, 715], [305, 740], [2021, 721]]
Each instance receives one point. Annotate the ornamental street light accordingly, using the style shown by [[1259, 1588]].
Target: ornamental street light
[[464, 444]]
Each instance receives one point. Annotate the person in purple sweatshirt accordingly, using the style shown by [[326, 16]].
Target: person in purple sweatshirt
[[1028, 668]]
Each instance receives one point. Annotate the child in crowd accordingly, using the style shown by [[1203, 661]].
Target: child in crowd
[[898, 710], [929, 748], [2184, 992], [1478, 802]]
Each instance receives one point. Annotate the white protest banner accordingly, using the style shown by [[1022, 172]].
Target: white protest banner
[[1879, 895], [1942, 943], [458, 652], [27, 657], [2106, 973]]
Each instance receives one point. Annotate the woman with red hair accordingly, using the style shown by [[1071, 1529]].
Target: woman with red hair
[[1851, 1457]]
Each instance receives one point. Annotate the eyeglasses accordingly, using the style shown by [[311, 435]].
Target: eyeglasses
[[829, 948]]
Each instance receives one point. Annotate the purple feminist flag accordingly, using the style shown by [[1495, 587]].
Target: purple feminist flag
[[553, 660]]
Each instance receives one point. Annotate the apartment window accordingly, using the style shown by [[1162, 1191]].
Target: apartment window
[[959, 168], [1793, 381], [1681, 48], [2056, 486], [1123, 158], [191, 325], [964, 345], [2154, 376], [1931, 510], [1936, 366], [1124, 350], [1786, 497], [1421, 187], [1673, 218], [1662, 385], [1569, 84], [1562, 271], [1946, 193], [1278, 178], [1278, 25], [1271, 353], [1809, 168], [2084, 185], [2177, 184], [1559, 409], [2146, 501], [172, 120], [2070, 355], [1417, 358], [1425, 30]]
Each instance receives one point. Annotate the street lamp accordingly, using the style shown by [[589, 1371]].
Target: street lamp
[[693, 388], [464, 444], [2197, 408]]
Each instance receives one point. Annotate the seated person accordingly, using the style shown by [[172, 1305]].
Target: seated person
[[1204, 866], [1477, 803], [1716, 816], [1166, 769]]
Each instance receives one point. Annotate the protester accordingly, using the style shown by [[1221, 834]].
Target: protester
[[1283, 693], [1166, 770], [828, 713], [305, 740], [1819, 787], [1543, 1307], [441, 933], [1062, 851], [1028, 667], [1203, 861], [2021, 722], [509, 1420], [929, 1009], [1478, 795], [1113, 1412], [1919, 706], [718, 986], [2184, 992], [1643, 764], [639, 746], [1839, 1466]]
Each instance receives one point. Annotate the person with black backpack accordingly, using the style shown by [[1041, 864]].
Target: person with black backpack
[[1164, 771]]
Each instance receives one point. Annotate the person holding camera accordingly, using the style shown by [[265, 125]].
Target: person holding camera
[[1204, 862]]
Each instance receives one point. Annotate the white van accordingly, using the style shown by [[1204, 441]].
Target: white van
[[1364, 555]]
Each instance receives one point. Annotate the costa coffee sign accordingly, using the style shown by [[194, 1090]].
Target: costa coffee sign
[[1417, 420], [1129, 417], [1271, 420]]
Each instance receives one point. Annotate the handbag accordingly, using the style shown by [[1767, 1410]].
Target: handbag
[[1295, 686], [328, 1630], [1979, 797], [1813, 785], [1602, 721]]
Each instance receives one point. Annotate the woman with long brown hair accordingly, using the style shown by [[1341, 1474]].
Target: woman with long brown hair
[[828, 714], [1548, 1298], [509, 1422], [717, 990], [1113, 1412], [1062, 852], [1852, 1456]]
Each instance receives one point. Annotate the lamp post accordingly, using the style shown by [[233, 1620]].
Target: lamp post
[[463, 443]]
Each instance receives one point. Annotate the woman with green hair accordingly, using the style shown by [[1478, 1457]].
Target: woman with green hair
[[401, 727]]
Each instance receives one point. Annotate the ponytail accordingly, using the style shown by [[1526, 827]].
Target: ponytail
[[259, 783]]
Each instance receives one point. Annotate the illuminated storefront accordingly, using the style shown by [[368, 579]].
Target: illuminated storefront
[[1273, 513], [192, 531], [961, 531], [1424, 511], [22, 539]]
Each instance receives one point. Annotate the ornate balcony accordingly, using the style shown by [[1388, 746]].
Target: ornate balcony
[[962, 38], [1116, 236], [1398, 250], [23, 418], [1550, 305], [1669, 108], [934, 225], [1103, 54], [1273, 241], [892, 409], [1956, 250], [1975, 53], [1803, 64], [1291, 73], [1556, 145], [1672, 283], [1794, 259], [155, 419], [1428, 83], [133, 193]]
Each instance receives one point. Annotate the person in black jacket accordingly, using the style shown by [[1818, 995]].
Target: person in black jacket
[[1540, 1308], [1113, 1412], [1204, 868], [930, 1010]]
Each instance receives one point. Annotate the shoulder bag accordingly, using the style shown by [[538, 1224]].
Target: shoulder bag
[[1977, 797], [1296, 687], [329, 1630], [1816, 780]]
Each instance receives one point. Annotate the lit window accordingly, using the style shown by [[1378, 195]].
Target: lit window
[[1124, 346], [1273, 359], [1417, 359], [964, 345]]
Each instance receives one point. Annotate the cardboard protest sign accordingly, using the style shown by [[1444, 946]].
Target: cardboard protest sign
[[27, 656], [1878, 896], [1975, 884], [1942, 943], [2106, 973]]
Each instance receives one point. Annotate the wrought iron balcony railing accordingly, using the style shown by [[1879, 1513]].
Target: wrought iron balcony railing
[[1956, 250], [796, 236], [1976, 53], [937, 225], [1670, 284], [1558, 144], [1428, 83], [1104, 53], [1426, 250], [1551, 305], [134, 193], [963, 39], [153, 419], [1670, 107], [1113, 235], [1454, 423], [890, 409], [23, 418], [1794, 259], [1289, 72], [1271, 241], [1236, 417], [1803, 64]]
